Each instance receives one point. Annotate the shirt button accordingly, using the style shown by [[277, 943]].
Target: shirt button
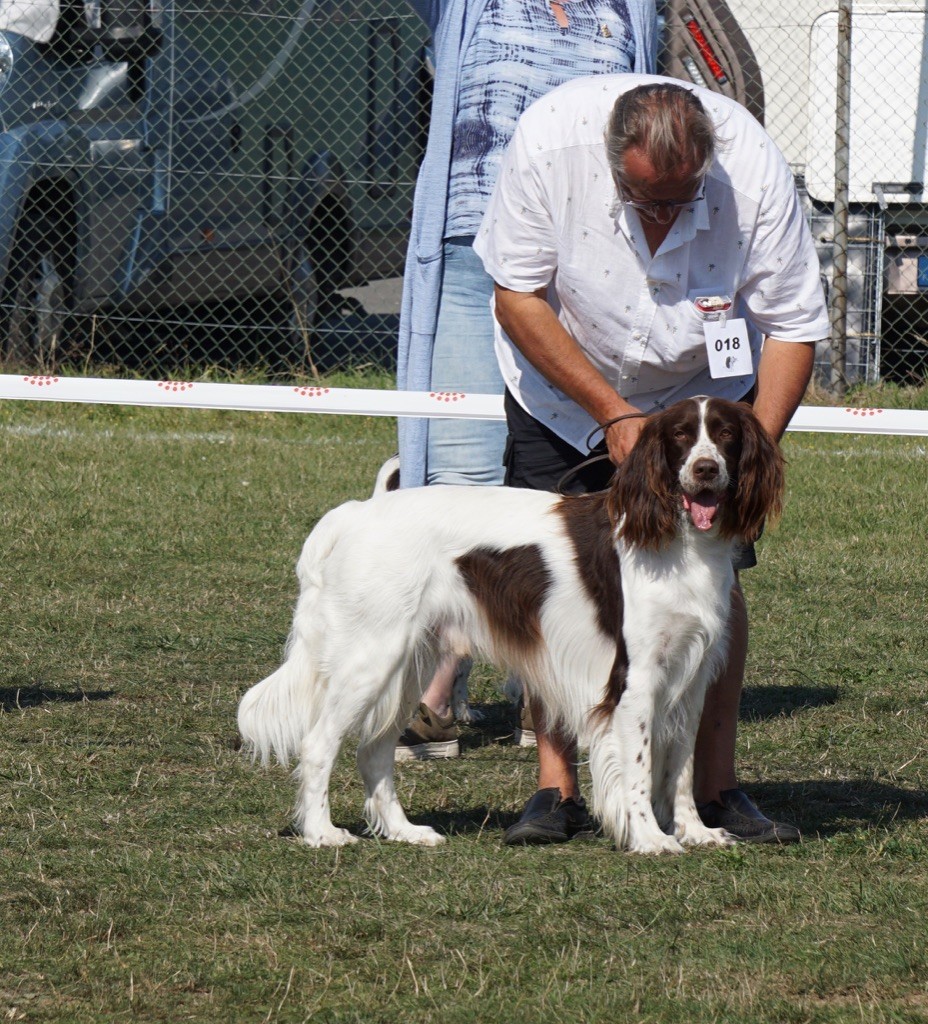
[[637, 336]]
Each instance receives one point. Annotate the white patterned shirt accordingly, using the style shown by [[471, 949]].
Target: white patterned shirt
[[554, 220]]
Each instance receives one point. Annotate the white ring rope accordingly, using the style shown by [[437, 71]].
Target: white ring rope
[[361, 402]]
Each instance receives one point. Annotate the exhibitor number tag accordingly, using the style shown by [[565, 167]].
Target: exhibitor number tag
[[729, 348]]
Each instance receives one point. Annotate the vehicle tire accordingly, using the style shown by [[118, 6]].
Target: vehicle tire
[[37, 304]]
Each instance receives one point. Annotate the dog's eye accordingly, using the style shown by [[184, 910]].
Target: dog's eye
[[726, 433], [680, 435]]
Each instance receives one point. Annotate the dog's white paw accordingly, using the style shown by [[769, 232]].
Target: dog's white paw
[[418, 835], [698, 835], [655, 844], [330, 837]]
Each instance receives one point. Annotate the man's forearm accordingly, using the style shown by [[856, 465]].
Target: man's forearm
[[533, 327], [783, 375]]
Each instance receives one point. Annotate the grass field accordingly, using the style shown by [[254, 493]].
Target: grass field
[[147, 580]]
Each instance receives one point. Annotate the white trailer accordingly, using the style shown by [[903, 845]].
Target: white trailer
[[780, 59]]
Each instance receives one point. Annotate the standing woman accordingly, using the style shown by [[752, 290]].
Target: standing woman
[[493, 58]]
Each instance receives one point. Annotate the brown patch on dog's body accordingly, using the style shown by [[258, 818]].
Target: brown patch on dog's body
[[510, 586], [590, 529]]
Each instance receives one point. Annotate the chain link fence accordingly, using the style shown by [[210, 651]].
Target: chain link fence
[[189, 184], [230, 183]]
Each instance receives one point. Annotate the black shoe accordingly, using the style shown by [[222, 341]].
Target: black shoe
[[547, 818], [738, 815]]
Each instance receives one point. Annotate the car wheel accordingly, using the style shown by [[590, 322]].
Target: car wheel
[[38, 294]]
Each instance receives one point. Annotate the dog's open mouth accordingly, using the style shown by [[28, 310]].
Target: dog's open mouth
[[702, 508]]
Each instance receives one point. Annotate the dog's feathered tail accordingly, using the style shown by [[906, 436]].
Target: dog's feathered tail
[[272, 715], [275, 714]]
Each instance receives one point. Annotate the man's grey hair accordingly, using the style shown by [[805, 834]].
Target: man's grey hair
[[667, 123]]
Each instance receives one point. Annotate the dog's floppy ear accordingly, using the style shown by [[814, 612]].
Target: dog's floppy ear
[[761, 480], [642, 491]]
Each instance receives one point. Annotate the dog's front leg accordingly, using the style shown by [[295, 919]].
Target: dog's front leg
[[626, 808], [687, 825], [382, 808], [675, 804]]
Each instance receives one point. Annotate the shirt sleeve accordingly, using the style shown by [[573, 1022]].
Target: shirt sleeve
[[516, 239], [782, 284], [643, 14]]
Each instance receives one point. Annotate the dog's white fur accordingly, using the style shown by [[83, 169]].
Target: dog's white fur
[[388, 479], [383, 597]]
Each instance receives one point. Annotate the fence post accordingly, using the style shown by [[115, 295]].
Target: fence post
[[838, 383]]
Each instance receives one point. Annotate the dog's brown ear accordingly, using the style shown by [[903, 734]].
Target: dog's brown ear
[[642, 491], [761, 479]]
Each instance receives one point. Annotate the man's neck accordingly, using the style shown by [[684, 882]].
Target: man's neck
[[655, 233]]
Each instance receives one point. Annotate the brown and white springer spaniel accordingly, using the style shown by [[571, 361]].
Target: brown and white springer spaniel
[[612, 608]]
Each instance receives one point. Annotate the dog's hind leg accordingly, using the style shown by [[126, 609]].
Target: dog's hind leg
[[318, 751], [382, 808]]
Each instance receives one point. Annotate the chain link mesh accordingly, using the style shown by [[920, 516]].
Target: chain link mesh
[[194, 184], [230, 183]]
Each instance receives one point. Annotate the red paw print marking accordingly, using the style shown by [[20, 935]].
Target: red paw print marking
[[38, 381], [175, 385], [864, 412], [311, 392], [447, 396]]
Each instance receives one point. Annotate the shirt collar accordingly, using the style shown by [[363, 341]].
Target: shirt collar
[[689, 221]]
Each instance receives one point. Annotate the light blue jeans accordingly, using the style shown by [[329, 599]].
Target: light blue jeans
[[464, 359]]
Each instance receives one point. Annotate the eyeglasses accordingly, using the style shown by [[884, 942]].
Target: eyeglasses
[[661, 211]]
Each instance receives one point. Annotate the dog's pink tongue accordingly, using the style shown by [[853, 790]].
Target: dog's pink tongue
[[702, 508]]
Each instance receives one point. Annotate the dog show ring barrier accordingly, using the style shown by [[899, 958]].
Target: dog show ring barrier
[[312, 398]]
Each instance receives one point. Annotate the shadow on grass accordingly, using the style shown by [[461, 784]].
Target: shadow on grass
[[820, 809], [828, 807], [757, 704], [468, 821], [761, 702], [16, 698]]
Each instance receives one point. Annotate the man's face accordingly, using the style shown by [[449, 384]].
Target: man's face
[[657, 198]]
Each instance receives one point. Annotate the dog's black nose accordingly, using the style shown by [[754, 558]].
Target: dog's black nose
[[705, 470]]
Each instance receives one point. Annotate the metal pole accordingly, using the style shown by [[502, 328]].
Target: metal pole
[[842, 176]]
